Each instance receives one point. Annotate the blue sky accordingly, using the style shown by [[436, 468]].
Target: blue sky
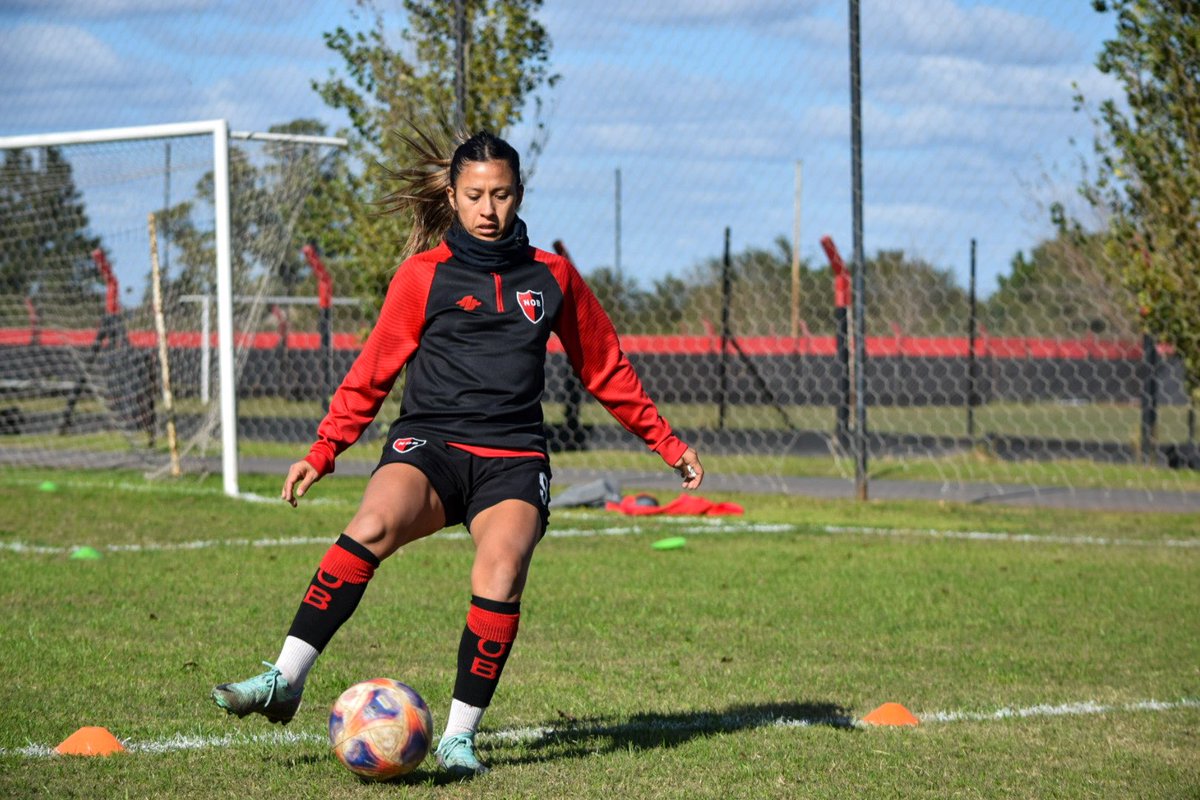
[[704, 105]]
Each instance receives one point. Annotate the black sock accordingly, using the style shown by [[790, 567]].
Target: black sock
[[334, 592], [486, 642]]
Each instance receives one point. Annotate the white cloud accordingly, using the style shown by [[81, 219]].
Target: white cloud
[[60, 77], [124, 10], [583, 25], [110, 9], [37, 57], [106, 74], [281, 94], [969, 83], [946, 27], [614, 92], [617, 110], [682, 12], [246, 44]]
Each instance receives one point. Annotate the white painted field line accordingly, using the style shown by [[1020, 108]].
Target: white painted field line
[[1020, 538], [291, 541], [154, 547], [193, 742], [699, 723], [124, 486], [711, 525], [151, 487], [1065, 710], [705, 723], [696, 526]]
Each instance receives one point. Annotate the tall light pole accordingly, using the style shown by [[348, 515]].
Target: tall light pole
[[859, 265], [617, 226], [460, 65], [796, 250]]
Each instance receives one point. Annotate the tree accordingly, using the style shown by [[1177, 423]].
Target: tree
[[620, 297], [759, 293], [45, 247], [386, 89], [633, 310], [663, 307], [269, 186], [324, 172], [1059, 289], [914, 296], [1148, 180], [919, 298]]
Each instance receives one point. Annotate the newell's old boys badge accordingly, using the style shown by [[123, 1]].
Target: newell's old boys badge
[[406, 444], [531, 305]]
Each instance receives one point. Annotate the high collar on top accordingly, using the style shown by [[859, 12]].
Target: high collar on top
[[510, 251]]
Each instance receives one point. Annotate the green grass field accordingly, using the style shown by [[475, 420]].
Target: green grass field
[[728, 668]]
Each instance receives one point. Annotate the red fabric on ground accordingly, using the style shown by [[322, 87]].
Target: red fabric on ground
[[684, 504]]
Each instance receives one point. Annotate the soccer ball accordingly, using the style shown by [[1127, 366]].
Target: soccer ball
[[380, 728]]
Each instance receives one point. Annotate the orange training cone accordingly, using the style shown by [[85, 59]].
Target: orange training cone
[[90, 741], [891, 714]]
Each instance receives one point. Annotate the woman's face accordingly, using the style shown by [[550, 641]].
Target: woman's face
[[486, 198]]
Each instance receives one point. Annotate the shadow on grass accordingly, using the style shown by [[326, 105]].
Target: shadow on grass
[[573, 738]]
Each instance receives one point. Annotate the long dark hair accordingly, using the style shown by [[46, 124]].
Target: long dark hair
[[423, 184]]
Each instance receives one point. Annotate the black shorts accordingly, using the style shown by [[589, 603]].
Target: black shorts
[[467, 483]]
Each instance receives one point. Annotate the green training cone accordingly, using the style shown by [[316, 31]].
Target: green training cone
[[48, 486], [85, 552], [670, 543]]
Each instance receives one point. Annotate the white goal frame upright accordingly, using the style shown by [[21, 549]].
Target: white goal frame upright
[[219, 130]]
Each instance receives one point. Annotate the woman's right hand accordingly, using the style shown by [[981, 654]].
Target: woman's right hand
[[301, 475], [689, 468]]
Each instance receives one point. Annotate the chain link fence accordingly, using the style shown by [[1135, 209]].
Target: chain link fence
[[697, 171]]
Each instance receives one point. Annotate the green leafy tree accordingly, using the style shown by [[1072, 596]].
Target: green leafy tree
[[1148, 181], [387, 87], [664, 306], [45, 246], [914, 296], [1060, 290], [633, 310], [620, 296], [760, 292], [910, 294], [270, 185]]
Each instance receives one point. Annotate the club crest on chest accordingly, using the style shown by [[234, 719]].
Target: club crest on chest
[[531, 305]]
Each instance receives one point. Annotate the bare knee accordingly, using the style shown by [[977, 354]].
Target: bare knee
[[367, 527], [372, 531], [499, 576], [505, 536], [399, 506]]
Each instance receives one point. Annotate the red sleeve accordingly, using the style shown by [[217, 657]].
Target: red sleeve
[[392, 342], [592, 345]]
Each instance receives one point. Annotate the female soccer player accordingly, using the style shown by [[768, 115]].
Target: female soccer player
[[469, 320]]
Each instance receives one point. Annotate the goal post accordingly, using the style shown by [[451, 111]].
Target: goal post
[[46, 180]]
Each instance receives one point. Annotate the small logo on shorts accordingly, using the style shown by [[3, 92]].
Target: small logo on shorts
[[406, 444], [544, 488]]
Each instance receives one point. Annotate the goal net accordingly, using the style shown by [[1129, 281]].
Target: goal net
[[81, 215]]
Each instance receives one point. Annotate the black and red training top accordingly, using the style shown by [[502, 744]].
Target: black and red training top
[[471, 324]]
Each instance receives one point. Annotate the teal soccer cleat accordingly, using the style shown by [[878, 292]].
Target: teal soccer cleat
[[456, 755], [268, 694]]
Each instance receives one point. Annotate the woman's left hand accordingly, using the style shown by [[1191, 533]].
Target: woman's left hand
[[689, 469]]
